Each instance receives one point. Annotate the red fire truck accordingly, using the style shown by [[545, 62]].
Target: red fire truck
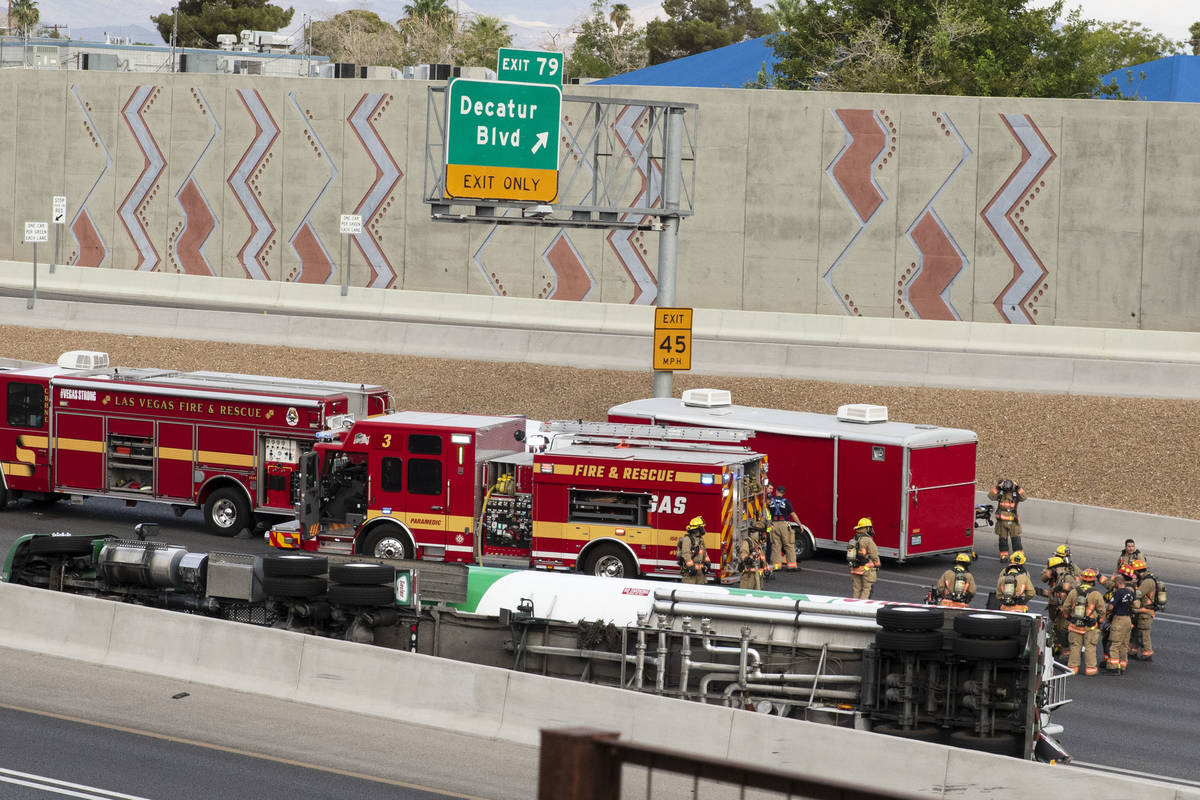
[[915, 482], [229, 444], [463, 488]]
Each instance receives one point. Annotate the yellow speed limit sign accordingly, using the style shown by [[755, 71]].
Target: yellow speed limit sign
[[672, 338]]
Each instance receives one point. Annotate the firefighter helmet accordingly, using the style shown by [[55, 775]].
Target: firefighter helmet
[[1017, 558], [963, 558], [1126, 571], [1054, 561], [1005, 485], [696, 522], [1089, 575], [1138, 564], [1062, 551], [865, 522]]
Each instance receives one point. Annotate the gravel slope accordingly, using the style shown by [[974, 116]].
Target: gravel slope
[[1136, 454]]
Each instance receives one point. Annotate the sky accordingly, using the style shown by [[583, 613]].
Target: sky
[[538, 23]]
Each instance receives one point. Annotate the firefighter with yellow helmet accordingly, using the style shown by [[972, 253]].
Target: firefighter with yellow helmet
[[752, 556], [692, 553], [957, 586], [1152, 597], [1084, 607], [863, 557], [1060, 577], [1014, 587]]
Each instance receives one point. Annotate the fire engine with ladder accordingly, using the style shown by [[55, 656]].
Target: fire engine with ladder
[[605, 499], [226, 443]]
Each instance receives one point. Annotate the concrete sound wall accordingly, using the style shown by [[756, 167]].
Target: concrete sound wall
[[491, 702], [1049, 212]]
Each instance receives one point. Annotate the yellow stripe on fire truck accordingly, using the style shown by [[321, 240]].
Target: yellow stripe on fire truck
[[78, 445], [28, 440], [228, 459], [174, 453], [16, 470]]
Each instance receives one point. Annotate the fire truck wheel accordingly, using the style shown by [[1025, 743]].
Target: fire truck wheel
[[362, 573], [226, 512], [387, 541], [608, 561], [343, 594], [1007, 744], [909, 618], [287, 564], [293, 586], [909, 641], [987, 649], [60, 546], [921, 733], [804, 544], [984, 624]]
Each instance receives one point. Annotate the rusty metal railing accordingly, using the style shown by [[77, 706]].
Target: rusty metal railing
[[590, 764]]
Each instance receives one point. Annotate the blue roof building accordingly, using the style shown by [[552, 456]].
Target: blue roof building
[[1175, 78], [730, 67]]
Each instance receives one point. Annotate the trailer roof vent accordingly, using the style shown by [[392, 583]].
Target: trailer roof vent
[[707, 398], [862, 412], [83, 359]]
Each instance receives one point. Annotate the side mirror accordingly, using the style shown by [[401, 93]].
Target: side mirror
[[146, 530]]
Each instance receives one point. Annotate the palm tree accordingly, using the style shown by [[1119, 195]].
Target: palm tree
[[435, 12], [24, 13], [482, 37], [619, 16]]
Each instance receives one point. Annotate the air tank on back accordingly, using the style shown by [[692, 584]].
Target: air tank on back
[[141, 563]]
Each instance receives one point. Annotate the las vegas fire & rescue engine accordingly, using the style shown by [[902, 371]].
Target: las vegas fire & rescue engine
[[227, 443], [462, 488], [915, 482]]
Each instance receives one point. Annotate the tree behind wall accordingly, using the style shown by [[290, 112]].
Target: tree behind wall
[[602, 49], [358, 37], [696, 26], [23, 15], [201, 21]]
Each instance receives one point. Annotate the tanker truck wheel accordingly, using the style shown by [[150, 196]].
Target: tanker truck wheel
[[226, 512], [61, 546], [1004, 744]]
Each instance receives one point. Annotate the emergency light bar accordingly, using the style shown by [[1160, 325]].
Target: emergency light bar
[[621, 430]]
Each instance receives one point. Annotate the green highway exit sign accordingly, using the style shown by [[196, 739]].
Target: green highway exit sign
[[502, 140], [529, 66]]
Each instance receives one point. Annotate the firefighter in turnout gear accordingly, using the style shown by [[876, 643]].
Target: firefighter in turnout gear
[[863, 557], [1014, 587], [1008, 522], [1084, 607], [692, 554], [957, 587], [1152, 596], [783, 536], [1060, 577], [1121, 608], [1129, 554], [752, 560]]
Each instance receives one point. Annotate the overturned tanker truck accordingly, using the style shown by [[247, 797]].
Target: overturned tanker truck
[[970, 678]]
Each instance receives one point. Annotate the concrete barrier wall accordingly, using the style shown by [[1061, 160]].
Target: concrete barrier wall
[[491, 702], [1046, 212], [608, 335]]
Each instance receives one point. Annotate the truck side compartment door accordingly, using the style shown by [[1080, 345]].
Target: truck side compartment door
[[176, 457], [79, 452]]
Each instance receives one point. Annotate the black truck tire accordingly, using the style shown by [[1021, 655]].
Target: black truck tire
[[609, 561], [909, 641], [348, 594], [985, 624], [1005, 744], [921, 733], [60, 546], [388, 541], [293, 564], [305, 587], [987, 649], [227, 512], [362, 573], [909, 618]]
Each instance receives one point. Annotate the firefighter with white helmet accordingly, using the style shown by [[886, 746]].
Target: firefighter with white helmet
[[693, 554], [863, 557], [1014, 587], [957, 587]]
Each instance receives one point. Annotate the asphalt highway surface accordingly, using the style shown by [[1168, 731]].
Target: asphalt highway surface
[[1144, 723]]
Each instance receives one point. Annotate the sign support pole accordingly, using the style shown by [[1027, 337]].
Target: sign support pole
[[53, 260], [33, 297], [346, 271], [668, 238]]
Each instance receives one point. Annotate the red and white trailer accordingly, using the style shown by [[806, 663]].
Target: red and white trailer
[[227, 443], [915, 482]]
